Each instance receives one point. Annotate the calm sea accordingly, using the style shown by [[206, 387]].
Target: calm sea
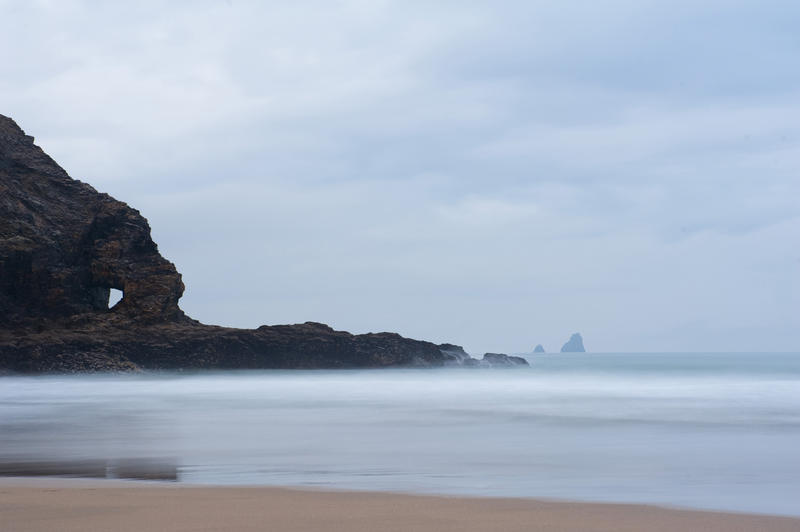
[[717, 431]]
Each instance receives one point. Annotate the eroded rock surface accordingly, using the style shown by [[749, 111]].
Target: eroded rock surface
[[63, 246], [500, 360], [456, 356]]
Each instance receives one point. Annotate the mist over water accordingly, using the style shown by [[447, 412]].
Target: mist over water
[[701, 430]]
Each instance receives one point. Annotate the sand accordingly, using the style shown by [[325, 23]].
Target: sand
[[32, 505]]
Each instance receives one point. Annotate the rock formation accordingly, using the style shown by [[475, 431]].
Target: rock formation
[[538, 349], [456, 356], [63, 246], [501, 360], [574, 344]]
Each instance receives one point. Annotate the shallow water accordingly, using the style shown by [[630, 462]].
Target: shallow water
[[715, 431]]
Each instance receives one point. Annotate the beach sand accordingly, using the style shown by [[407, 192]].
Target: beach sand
[[33, 505]]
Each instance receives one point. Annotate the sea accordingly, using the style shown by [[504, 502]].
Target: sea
[[699, 430]]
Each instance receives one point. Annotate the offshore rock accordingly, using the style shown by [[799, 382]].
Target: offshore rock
[[574, 344], [63, 246], [538, 349]]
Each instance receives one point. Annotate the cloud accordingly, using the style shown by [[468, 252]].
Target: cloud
[[492, 175]]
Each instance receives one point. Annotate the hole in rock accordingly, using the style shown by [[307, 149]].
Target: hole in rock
[[114, 297]]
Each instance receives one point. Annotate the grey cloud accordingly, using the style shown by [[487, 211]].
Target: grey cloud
[[497, 176]]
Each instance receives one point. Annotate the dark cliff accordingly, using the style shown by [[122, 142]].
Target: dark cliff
[[63, 246]]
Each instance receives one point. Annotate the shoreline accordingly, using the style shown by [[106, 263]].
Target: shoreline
[[67, 504]]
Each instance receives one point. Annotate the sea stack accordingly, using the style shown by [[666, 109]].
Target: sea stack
[[574, 345], [538, 349]]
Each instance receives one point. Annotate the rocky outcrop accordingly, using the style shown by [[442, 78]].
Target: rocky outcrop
[[456, 356], [501, 360], [63, 246], [538, 349], [103, 345], [574, 344]]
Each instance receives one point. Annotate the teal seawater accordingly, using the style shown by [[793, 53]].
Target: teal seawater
[[718, 431]]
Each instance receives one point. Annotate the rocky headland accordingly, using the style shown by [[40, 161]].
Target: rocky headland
[[64, 246]]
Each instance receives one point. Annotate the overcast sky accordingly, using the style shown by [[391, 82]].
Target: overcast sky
[[492, 174]]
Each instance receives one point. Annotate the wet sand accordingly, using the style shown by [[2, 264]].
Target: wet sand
[[33, 505]]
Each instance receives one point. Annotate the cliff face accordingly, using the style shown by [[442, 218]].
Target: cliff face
[[63, 246]]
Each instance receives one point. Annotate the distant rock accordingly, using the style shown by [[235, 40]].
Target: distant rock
[[501, 360], [454, 355], [574, 345], [538, 349]]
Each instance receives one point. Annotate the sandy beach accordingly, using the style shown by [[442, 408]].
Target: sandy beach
[[33, 505]]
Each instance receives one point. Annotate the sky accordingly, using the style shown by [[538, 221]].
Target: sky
[[490, 174]]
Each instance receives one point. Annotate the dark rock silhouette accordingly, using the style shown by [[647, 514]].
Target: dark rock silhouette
[[538, 349], [574, 344], [501, 360], [63, 246], [456, 356]]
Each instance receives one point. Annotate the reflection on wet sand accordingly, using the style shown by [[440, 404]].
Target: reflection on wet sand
[[129, 468]]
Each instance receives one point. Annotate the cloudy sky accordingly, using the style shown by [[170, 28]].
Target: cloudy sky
[[493, 174]]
